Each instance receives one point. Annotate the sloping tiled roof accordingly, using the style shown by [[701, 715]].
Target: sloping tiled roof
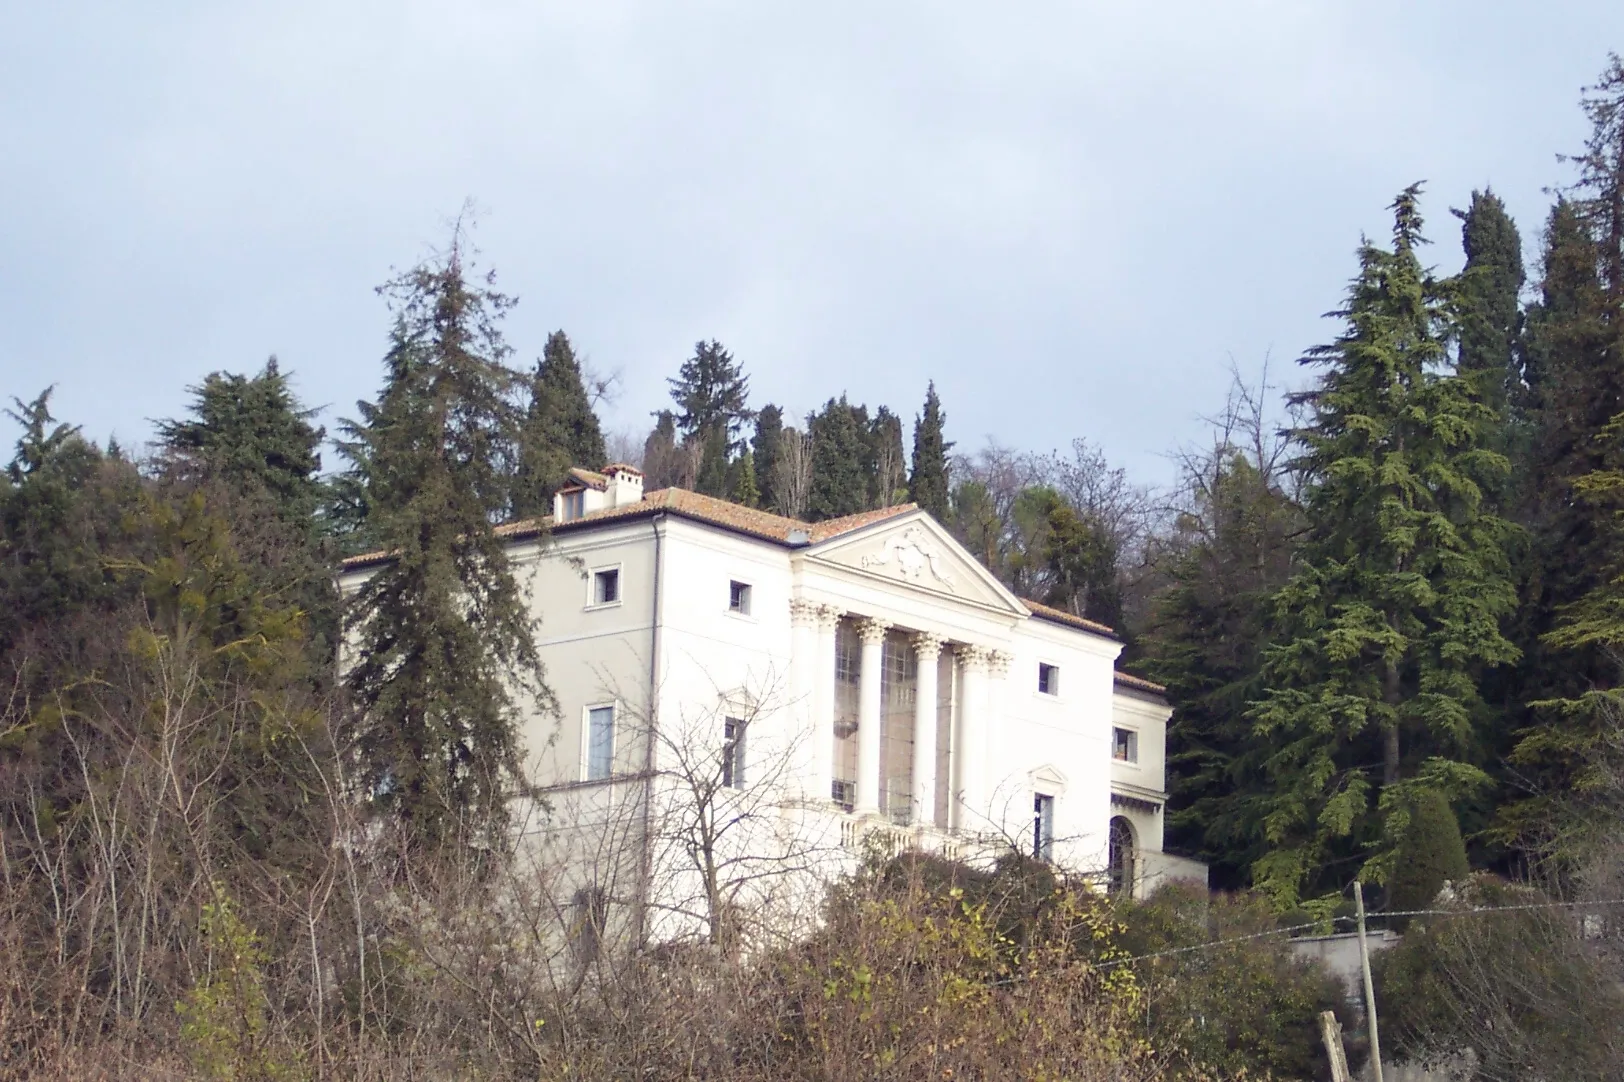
[[1139, 683], [691, 505], [1061, 616], [589, 478]]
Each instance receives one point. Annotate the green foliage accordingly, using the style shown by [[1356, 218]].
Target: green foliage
[[250, 431], [1249, 1007], [712, 394], [444, 653], [1430, 853], [765, 451], [1490, 313], [1205, 640], [745, 490], [1401, 586], [927, 475], [840, 486], [224, 1018], [560, 429], [1522, 989]]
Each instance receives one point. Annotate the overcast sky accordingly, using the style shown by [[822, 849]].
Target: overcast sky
[[1071, 216]]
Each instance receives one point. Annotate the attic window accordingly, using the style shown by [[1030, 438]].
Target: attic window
[[606, 586], [738, 598], [574, 505], [1048, 679]]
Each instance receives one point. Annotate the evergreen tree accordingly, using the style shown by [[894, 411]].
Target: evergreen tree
[[442, 634], [765, 449], [1400, 588], [1576, 603], [927, 479], [250, 432], [1489, 291], [662, 458], [1080, 558], [560, 429], [839, 483], [744, 489], [1229, 551], [712, 394], [1430, 854], [883, 460]]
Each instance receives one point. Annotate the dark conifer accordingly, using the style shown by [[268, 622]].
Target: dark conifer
[[927, 479], [442, 635], [1401, 585], [1489, 297], [839, 484], [765, 449], [560, 429], [884, 462]]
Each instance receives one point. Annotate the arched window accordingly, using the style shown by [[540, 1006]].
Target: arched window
[[1121, 856]]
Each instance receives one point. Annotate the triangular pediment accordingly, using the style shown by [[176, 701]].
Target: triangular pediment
[[914, 551]]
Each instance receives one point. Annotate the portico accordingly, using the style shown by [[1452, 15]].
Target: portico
[[896, 718]]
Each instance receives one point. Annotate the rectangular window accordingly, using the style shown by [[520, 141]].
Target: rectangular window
[[733, 753], [1043, 826], [738, 598], [574, 505], [1048, 679], [606, 586], [600, 742], [1125, 745]]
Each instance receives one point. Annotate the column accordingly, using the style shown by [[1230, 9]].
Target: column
[[823, 703], [802, 734], [872, 632], [927, 649], [997, 795], [970, 745]]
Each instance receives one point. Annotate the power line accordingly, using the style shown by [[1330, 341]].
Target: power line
[[1473, 911]]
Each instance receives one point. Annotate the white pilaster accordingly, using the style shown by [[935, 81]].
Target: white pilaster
[[970, 747], [997, 796], [872, 632], [823, 703], [927, 649]]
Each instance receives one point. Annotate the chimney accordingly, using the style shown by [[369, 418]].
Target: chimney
[[625, 485]]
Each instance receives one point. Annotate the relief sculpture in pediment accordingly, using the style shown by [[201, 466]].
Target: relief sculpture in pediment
[[912, 554]]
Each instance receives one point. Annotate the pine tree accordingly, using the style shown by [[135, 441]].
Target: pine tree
[[765, 449], [250, 431], [839, 484], [927, 480], [560, 429], [442, 634], [744, 489], [1400, 589], [1489, 291]]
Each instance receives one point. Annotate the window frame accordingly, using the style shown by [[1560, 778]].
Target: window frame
[[1053, 672], [744, 590], [1132, 745], [1043, 815], [592, 579], [573, 505], [735, 753], [586, 739]]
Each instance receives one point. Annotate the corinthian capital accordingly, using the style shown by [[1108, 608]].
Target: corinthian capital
[[872, 631], [973, 657], [998, 662], [802, 613], [927, 647]]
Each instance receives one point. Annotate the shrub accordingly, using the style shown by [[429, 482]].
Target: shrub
[[1431, 854]]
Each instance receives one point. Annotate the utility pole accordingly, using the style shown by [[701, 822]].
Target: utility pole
[[1370, 987]]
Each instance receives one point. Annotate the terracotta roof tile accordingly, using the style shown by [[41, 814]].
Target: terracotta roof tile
[[590, 478], [1061, 616], [1139, 683], [709, 509]]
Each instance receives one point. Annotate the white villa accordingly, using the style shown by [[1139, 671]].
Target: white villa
[[820, 687]]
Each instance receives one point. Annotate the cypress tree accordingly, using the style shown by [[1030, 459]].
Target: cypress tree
[[662, 458], [927, 479], [1431, 852], [444, 655], [744, 489], [883, 460], [1400, 588], [1576, 606], [1489, 291], [560, 429], [765, 449], [839, 484]]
